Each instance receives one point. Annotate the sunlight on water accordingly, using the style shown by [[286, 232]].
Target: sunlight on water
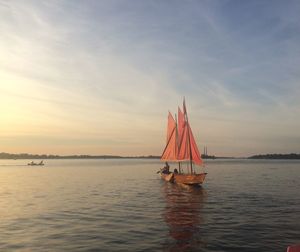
[[122, 205]]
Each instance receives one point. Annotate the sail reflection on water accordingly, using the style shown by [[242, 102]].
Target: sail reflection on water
[[183, 216]]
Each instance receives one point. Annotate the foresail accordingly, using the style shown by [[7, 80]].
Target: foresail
[[170, 151], [171, 126]]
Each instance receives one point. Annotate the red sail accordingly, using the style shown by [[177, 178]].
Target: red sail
[[184, 150], [196, 157], [170, 151], [171, 126], [181, 124], [181, 145], [188, 149]]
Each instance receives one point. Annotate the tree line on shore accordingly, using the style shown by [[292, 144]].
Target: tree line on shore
[[276, 156], [4, 155]]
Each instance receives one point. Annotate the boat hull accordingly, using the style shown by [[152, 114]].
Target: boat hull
[[167, 177], [186, 179]]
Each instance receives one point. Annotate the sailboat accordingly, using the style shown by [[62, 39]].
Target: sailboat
[[33, 163], [181, 148]]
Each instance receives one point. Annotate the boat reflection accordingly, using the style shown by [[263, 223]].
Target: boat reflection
[[183, 216]]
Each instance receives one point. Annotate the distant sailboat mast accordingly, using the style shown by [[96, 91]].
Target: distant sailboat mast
[[205, 151]]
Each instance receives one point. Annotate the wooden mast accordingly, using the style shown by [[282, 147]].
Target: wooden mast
[[177, 143], [190, 147], [189, 140]]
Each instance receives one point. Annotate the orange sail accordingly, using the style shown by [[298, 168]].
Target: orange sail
[[181, 144], [188, 149], [181, 124], [183, 148], [170, 151], [171, 126], [195, 154]]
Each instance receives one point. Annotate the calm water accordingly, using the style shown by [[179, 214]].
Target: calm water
[[122, 205]]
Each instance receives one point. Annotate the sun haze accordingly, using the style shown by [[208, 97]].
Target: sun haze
[[98, 77]]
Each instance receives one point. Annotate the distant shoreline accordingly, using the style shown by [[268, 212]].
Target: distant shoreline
[[4, 155], [276, 156]]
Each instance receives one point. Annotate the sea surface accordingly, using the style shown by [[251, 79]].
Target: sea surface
[[123, 205]]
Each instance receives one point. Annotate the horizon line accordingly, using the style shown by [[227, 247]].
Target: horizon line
[[5, 155]]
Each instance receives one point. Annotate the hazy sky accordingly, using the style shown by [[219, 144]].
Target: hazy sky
[[98, 77]]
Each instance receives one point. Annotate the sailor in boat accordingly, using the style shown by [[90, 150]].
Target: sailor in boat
[[181, 145], [166, 169]]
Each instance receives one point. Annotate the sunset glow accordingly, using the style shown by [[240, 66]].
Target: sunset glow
[[98, 77]]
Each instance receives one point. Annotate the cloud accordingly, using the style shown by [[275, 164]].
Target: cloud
[[115, 68]]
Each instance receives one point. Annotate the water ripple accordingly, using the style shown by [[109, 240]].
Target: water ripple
[[84, 206]]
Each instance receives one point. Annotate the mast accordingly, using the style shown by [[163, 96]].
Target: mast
[[189, 144], [180, 128], [189, 140], [176, 130], [177, 141]]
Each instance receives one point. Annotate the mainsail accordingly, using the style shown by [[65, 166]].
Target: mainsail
[[181, 144]]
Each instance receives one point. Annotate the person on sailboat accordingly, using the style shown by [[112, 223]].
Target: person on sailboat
[[166, 168]]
